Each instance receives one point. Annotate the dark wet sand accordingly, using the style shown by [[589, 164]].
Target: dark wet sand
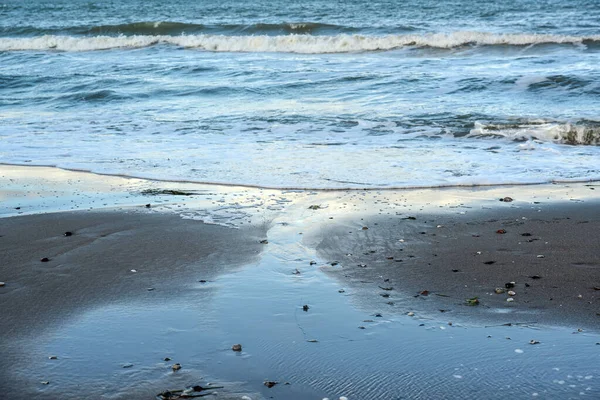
[[93, 268], [552, 255]]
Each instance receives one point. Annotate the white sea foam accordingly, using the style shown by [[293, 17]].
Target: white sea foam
[[287, 43], [542, 131]]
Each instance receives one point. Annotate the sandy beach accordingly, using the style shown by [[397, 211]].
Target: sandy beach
[[318, 287]]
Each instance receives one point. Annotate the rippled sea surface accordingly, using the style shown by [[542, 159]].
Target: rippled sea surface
[[312, 94]]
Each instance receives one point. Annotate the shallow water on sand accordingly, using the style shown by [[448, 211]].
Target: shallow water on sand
[[117, 350], [260, 306]]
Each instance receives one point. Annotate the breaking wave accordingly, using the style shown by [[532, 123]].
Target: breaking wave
[[578, 133], [293, 43]]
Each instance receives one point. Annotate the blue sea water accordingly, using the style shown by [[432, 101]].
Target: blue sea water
[[310, 94]]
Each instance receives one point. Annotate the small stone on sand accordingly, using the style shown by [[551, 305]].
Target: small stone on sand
[[176, 367], [236, 347]]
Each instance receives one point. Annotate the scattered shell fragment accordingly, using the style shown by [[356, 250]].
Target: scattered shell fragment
[[501, 231], [506, 199], [499, 290], [45, 382], [411, 314], [53, 358], [312, 341], [540, 256], [296, 272], [264, 241], [473, 301], [236, 347], [270, 384], [176, 367], [534, 341], [510, 299], [2, 284], [511, 293], [580, 297], [134, 270], [127, 365]]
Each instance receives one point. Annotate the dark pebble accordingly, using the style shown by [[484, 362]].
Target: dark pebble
[[68, 233], [305, 307], [45, 259]]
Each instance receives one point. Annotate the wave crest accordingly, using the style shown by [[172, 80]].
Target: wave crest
[[578, 133], [294, 43]]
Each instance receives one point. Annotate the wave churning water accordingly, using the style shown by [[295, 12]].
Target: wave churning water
[[307, 44], [313, 95]]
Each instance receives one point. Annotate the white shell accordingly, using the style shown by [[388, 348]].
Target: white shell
[[511, 293], [510, 299]]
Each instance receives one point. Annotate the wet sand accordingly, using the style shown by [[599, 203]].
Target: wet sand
[[112, 258], [135, 285], [548, 254]]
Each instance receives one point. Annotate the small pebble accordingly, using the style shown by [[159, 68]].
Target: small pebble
[[411, 314], [53, 358], [45, 382], [236, 347], [167, 359], [133, 270], [68, 233], [176, 367], [519, 351], [305, 307], [511, 293], [270, 384], [341, 291], [534, 341], [540, 256], [2, 284], [45, 259], [510, 299], [361, 327], [499, 290]]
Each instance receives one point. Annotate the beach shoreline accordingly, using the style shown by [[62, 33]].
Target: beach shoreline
[[385, 254]]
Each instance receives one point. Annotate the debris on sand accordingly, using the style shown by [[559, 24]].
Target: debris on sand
[[68, 233], [473, 301], [45, 259], [158, 192], [534, 341], [501, 231], [236, 347], [314, 207], [499, 290], [270, 384], [305, 307], [187, 393], [264, 241], [506, 199], [176, 367]]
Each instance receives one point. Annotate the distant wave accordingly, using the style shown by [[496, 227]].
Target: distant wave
[[302, 43], [163, 28]]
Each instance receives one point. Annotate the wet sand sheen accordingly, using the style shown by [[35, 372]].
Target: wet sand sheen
[[87, 306]]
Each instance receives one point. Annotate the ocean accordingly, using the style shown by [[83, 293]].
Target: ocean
[[313, 94]]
